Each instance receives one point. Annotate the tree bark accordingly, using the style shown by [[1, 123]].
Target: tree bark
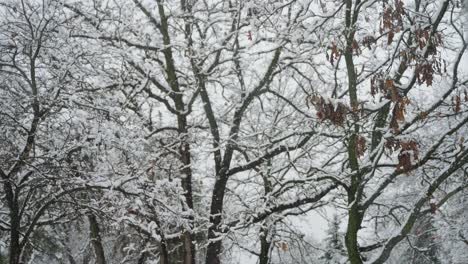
[[265, 245], [189, 246], [96, 239], [354, 216], [15, 249], [214, 246]]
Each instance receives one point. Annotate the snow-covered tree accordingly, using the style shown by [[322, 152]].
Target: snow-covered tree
[[334, 251]]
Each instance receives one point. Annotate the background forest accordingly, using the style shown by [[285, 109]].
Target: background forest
[[233, 131]]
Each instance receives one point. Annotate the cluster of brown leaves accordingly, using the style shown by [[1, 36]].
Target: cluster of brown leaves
[[334, 55], [335, 51], [423, 36], [392, 20], [368, 41], [386, 86], [425, 73], [399, 113], [328, 111], [408, 152], [426, 69], [456, 101], [282, 245], [360, 146], [377, 84], [408, 55]]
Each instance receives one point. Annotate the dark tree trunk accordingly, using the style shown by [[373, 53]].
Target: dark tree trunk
[[96, 239], [164, 256], [15, 249], [214, 248], [265, 245], [189, 246]]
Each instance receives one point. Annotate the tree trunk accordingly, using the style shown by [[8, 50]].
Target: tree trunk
[[351, 239], [265, 245], [214, 246], [15, 250], [164, 256], [96, 239], [15, 247], [354, 217], [189, 246], [182, 127]]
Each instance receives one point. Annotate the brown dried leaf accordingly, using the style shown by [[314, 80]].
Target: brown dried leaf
[[360, 146], [284, 246], [327, 111], [408, 148], [373, 89], [368, 41], [399, 112], [390, 36], [423, 115], [394, 125], [356, 48], [389, 84], [457, 104], [392, 144], [392, 91], [404, 162]]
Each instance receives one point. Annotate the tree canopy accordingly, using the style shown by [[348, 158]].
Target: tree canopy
[[217, 131]]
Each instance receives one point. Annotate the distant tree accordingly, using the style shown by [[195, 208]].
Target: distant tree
[[333, 243], [423, 242]]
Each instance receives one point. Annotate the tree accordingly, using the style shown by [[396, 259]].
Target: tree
[[45, 122], [196, 84], [194, 131], [424, 247], [32, 147], [381, 106]]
